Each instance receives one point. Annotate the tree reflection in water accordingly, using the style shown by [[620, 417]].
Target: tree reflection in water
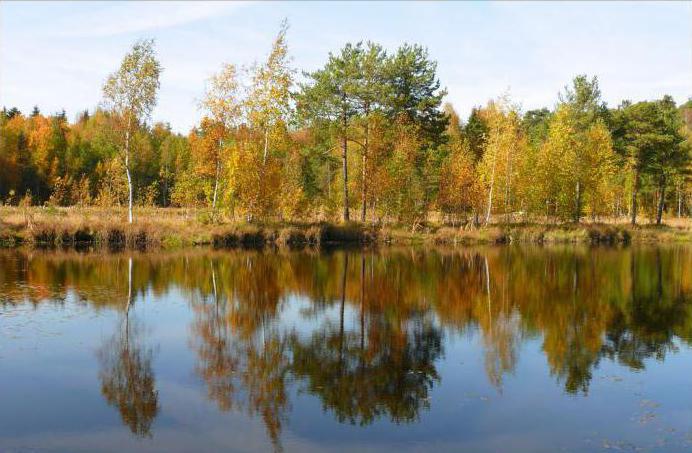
[[127, 377], [384, 369], [242, 358], [584, 306], [371, 324]]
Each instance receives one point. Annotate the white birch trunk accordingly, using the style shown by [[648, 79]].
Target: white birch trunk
[[266, 145], [490, 193], [127, 171]]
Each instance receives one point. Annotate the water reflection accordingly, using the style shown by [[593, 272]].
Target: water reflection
[[364, 332], [126, 374], [242, 358], [384, 366]]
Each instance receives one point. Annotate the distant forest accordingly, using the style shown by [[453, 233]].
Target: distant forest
[[367, 137]]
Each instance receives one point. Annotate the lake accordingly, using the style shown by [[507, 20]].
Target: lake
[[508, 348]]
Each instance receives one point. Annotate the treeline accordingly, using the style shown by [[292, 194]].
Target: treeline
[[366, 132]]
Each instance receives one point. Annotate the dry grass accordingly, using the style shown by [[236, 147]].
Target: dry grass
[[162, 227], [67, 226], [175, 228]]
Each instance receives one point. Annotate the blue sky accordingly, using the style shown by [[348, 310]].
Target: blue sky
[[57, 55]]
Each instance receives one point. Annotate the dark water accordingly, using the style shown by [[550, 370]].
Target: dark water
[[494, 349]]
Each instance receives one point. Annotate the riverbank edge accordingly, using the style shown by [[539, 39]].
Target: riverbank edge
[[149, 234]]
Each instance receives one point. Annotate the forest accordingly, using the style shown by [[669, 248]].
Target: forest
[[368, 137]]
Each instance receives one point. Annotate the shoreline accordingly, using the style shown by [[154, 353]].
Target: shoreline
[[170, 228]]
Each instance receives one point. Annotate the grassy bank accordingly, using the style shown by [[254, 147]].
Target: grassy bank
[[162, 228], [583, 233], [177, 228]]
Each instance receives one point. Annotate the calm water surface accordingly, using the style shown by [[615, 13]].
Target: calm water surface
[[483, 350]]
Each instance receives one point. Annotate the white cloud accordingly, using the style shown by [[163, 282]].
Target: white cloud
[[115, 18]]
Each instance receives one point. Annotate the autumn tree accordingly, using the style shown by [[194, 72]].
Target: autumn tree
[[574, 166], [504, 142], [222, 104], [585, 109], [268, 107], [268, 102], [403, 194], [130, 94], [173, 162], [460, 191], [205, 160], [476, 132]]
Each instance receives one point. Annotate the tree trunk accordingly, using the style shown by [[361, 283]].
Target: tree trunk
[[635, 189], [129, 190], [364, 190], [129, 285], [577, 212], [341, 311], [216, 184], [165, 187], [490, 192], [216, 294], [344, 159], [508, 185], [490, 200], [487, 288], [127, 173], [661, 200], [129, 303], [266, 146], [362, 301]]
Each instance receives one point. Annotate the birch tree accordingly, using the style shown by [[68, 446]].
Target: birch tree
[[268, 102], [222, 103], [130, 94], [504, 142], [575, 168], [585, 109]]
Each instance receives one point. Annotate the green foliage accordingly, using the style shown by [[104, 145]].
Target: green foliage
[[417, 93], [536, 125], [650, 137], [476, 133]]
